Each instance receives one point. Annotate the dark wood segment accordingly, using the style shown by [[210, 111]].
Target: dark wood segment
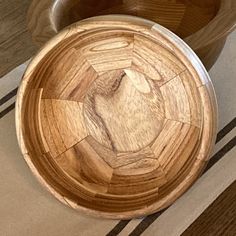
[[219, 218], [16, 45], [182, 17], [204, 25]]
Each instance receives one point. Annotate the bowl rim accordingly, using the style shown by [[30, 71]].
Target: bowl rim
[[201, 72], [207, 35]]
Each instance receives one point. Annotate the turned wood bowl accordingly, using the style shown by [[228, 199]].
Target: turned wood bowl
[[116, 116], [203, 24]]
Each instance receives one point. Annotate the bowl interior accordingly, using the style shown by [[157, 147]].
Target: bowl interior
[[184, 17], [112, 119]]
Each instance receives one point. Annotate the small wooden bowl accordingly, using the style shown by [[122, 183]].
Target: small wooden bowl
[[204, 25], [116, 116]]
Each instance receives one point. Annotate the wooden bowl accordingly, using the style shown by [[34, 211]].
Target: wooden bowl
[[204, 25], [116, 116]]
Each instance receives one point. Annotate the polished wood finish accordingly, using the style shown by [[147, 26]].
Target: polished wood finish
[[116, 116], [204, 25]]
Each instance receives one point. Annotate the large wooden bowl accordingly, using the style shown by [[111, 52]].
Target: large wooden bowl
[[116, 116], [203, 24]]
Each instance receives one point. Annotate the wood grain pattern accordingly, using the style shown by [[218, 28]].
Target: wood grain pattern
[[120, 139], [177, 107], [69, 131], [204, 25], [219, 218], [110, 118], [16, 45]]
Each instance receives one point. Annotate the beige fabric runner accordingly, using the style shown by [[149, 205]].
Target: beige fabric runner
[[26, 208]]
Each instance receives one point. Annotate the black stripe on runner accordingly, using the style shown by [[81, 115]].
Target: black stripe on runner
[[231, 144], [144, 224], [8, 96], [226, 130], [7, 110], [118, 228], [148, 220]]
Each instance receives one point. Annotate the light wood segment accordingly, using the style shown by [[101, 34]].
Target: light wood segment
[[117, 142], [91, 171], [162, 66], [96, 165], [177, 105], [33, 122], [143, 166], [193, 94], [123, 159], [204, 25], [113, 121], [74, 82], [119, 159], [50, 129], [208, 99], [63, 124], [108, 155], [170, 147], [108, 52], [137, 183]]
